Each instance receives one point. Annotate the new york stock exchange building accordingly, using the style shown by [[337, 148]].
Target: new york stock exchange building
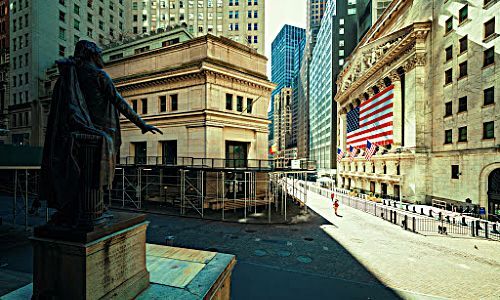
[[423, 87]]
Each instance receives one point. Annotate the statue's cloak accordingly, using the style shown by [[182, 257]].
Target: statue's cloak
[[69, 116]]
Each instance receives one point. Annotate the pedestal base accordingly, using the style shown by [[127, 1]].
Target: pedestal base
[[110, 267]]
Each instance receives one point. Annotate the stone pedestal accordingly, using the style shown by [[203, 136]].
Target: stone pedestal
[[109, 263]]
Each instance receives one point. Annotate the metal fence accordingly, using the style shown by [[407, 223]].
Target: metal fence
[[410, 218]]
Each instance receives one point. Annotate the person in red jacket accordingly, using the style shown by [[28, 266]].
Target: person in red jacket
[[336, 207]]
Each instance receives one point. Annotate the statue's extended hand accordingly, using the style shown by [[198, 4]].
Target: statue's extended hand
[[152, 129]]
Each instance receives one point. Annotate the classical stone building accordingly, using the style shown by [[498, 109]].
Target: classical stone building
[[441, 60], [208, 95], [240, 20]]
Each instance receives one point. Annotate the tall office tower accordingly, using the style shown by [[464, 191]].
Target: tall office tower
[[368, 12], [283, 50], [296, 85], [315, 12], [240, 20], [40, 33], [337, 37], [4, 69]]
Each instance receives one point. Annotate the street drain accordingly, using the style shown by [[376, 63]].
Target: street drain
[[304, 259], [284, 253], [260, 252], [309, 239]]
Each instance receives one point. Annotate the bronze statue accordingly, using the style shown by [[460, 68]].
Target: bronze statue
[[83, 138]]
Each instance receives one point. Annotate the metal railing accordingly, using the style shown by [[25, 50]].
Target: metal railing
[[206, 163]]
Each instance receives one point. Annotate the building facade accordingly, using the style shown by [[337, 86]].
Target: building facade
[[315, 13], [320, 92], [283, 50], [40, 33], [4, 70], [439, 60], [339, 38], [209, 96], [283, 123], [240, 20]]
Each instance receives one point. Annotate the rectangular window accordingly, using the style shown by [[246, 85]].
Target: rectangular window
[[76, 9], [144, 103], [448, 76], [486, 2], [76, 24], [163, 103], [489, 96], [239, 103], [62, 17], [489, 130], [449, 25], [140, 153], [134, 105], [489, 56], [249, 105], [462, 104], [174, 102], [463, 14], [462, 134], [448, 109], [448, 136], [489, 28], [62, 50], [464, 44], [455, 172], [255, 14], [449, 53], [169, 152], [229, 101], [62, 33], [89, 18], [462, 69]]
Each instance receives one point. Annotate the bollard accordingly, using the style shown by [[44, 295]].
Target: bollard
[[486, 233], [478, 226], [414, 211], [495, 228], [463, 221], [383, 201], [395, 204], [422, 211], [447, 219], [390, 218], [414, 219], [395, 221], [406, 222], [472, 229], [407, 209], [430, 213], [440, 216]]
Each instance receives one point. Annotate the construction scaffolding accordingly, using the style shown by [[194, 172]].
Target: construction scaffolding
[[227, 191]]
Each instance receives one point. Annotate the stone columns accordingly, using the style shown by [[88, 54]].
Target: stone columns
[[397, 122], [342, 130]]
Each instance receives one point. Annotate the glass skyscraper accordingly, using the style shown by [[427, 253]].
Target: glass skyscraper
[[321, 92], [283, 55]]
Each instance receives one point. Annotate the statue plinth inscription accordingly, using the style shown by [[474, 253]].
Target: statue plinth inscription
[[110, 267]]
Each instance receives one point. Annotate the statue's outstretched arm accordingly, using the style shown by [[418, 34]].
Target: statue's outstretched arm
[[123, 107]]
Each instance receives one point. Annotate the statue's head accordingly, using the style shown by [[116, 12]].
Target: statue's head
[[87, 51]]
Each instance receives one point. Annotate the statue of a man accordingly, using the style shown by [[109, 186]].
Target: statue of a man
[[83, 137]]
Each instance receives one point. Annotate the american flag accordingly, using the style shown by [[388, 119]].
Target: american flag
[[372, 120], [351, 153], [340, 154], [370, 149]]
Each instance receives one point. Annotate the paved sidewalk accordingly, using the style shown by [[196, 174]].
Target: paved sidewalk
[[456, 268]]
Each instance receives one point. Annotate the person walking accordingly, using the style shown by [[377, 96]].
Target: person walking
[[336, 207]]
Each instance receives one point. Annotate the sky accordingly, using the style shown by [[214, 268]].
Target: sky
[[279, 13]]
